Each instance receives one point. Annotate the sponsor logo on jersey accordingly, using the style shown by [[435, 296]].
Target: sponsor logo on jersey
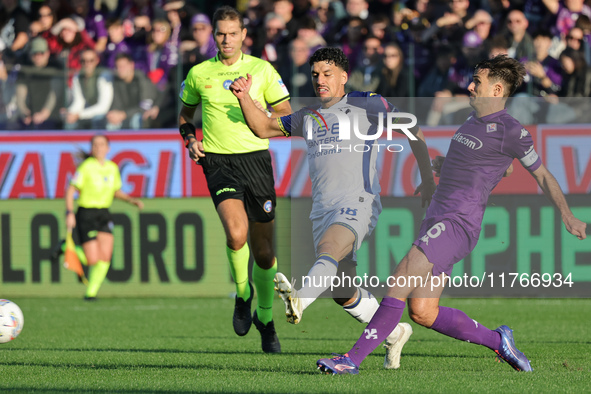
[[268, 206], [491, 127], [229, 73], [227, 84], [524, 133], [468, 140], [208, 86]]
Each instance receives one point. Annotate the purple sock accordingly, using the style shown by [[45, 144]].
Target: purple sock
[[381, 325], [456, 324]]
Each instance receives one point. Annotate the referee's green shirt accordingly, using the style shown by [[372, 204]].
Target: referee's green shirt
[[97, 183], [224, 128]]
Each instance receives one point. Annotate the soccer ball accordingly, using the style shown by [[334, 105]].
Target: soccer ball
[[11, 321]]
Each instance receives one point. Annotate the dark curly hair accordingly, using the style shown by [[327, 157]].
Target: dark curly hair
[[505, 69], [331, 55]]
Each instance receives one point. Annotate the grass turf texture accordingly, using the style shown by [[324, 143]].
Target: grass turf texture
[[188, 345]]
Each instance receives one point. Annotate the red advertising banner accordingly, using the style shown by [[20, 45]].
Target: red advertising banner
[[155, 163]]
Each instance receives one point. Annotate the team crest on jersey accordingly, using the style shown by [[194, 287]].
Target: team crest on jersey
[[524, 133], [491, 127], [227, 84], [268, 206]]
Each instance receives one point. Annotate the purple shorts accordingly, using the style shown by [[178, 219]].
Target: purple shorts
[[444, 242]]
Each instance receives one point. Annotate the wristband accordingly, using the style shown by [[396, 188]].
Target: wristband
[[187, 130], [68, 212], [188, 141]]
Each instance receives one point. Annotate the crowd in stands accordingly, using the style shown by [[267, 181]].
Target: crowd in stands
[[112, 64]]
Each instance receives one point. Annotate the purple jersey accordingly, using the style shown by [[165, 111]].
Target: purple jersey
[[479, 154]]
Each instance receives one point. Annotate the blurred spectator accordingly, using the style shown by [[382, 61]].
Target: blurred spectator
[[481, 23], [358, 9], [297, 74], [92, 94], [437, 78], [45, 20], [498, 46], [566, 13], [324, 17], [160, 55], [576, 88], [537, 14], [117, 43], [521, 44], [352, 42], [394, 78], [284, 9], [584, 23], [133, 95], [202, 47], [574, 39], [449, 28], [544, 72], [179, 15], [7, 93], [94, 23], [131, 9], [379, 27], [276, 39], [463, 69], [67, 41], [310, 35], [367, 75], [14, 25], [38, 90], [577, 74]]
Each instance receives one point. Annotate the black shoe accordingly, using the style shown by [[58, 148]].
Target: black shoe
[[89, 299], [57, 250], [242, 318], [269, 341]]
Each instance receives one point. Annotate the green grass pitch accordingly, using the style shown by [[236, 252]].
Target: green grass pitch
[[178, 345]]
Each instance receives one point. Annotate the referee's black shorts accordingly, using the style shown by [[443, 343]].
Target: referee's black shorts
[[89, 221], [244, 176]]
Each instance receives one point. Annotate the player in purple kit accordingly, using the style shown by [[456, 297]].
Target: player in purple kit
[[479, 154]]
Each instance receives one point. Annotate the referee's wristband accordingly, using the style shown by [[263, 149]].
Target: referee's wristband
[[187, 130], [68, 212]]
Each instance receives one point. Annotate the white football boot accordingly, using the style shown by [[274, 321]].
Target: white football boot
[[289, 295], [394, 344]]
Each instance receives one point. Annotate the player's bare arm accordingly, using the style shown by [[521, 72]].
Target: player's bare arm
[[256, 120], [421, 153], [552, 190], [195, 147]]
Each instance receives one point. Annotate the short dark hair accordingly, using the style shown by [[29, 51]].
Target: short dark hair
[[505, 69], [331, 55], [227, 13], [124, 55], [542, 33]]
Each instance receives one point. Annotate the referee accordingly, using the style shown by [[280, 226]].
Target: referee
[[237, 166]]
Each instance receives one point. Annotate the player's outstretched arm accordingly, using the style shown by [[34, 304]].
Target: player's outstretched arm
[[552, 190], [261, 125], [421, 153]]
